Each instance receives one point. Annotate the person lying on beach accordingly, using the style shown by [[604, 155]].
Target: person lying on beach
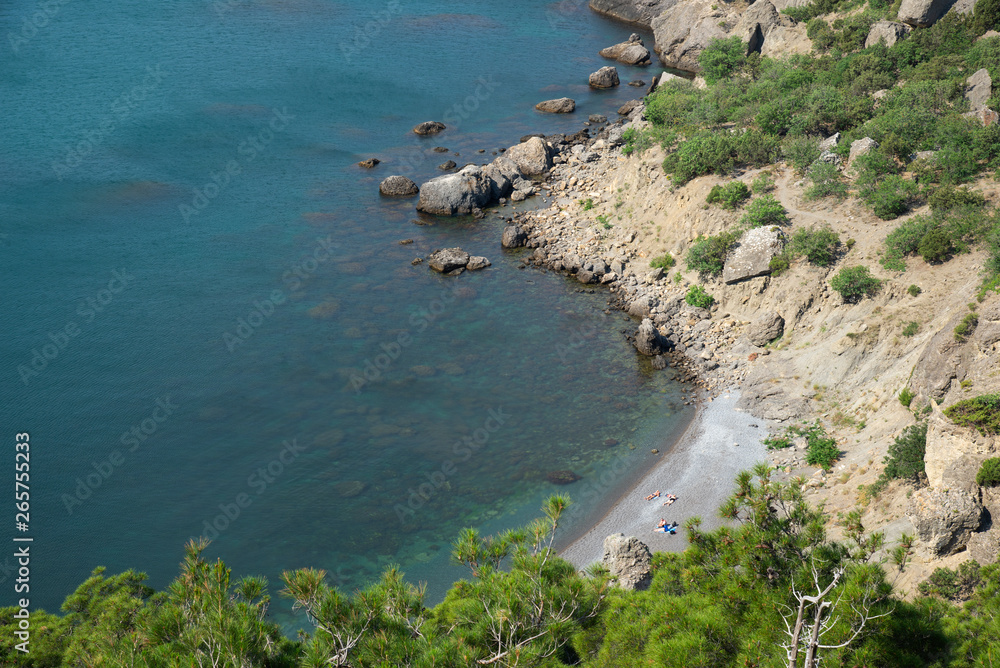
[[653, 495], [667, 528], [670, 499], [662, 523]]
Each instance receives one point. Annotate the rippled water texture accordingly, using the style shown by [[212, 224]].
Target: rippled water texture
[[210, 325]]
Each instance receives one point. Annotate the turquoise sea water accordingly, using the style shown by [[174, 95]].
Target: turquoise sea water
[[210, 326]]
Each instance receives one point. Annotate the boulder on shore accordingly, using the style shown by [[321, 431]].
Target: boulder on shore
[[456, 194], [397, 186], [606, 77], [429, 128], [649, 341], [533, 157], [753, 254], [629, 561], [765, 328], [447, 260], [562, 105], [513, 237]]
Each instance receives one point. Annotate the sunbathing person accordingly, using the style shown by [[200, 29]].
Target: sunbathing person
[[653, 495], [670, 499]]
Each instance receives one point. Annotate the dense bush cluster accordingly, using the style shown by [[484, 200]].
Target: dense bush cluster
[[855, 283], [989, 473], [982, 413], [730, 195]]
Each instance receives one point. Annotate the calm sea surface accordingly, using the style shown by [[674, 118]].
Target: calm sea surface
[[211, 328]]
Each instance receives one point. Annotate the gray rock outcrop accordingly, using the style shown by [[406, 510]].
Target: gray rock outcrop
[[397, 186], [562, 105], [923, 13], [987, 335], [606, 77], [753, 253], [456, 194], [447, 260], [953, 453], [985, 116], [513, 237], [859, 148], [503, 173], [888, 32], [978, 89], [629, 561], [649, 341], [765, 328], [429, 128], [683, 30], [533, 157], [944, 519], [641, 12], [632, 52]]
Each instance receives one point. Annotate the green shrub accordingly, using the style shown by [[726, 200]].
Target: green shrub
[[989, 473], [696, 296], [826, 182], [855, 283], [891, 197], [777, 442], [946, 198], [911, 328], [730, 195], [905, 240], [906, 454], [822, 450], [721, 58], [763, 211], [636, 141], [986, 16], [914, 290], [819, 32], [906, 397], [588, 204], [707, 255], [818, 245], [780, 263], [665, 261], [965, 328], [935, 246], [762, 183], [982, 412], [800, 152], [955, 586]]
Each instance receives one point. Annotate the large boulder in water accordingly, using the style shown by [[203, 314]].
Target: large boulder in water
[[562, 105], [606, 77], [632, 52], [753, 253], [456, 194], [447, 260], [648, 341], [513, 237], [628, 560], [429, 128], [533, 157], [397, 186]]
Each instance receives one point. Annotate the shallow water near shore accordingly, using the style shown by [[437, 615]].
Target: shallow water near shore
[[212, 327]]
